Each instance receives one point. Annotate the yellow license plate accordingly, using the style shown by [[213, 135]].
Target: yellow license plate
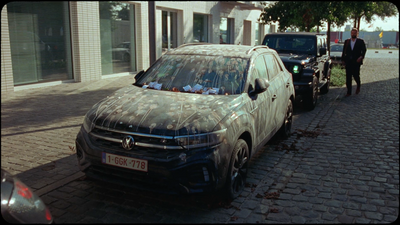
[[125, 162]]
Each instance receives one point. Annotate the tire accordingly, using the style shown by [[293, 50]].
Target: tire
[[286, 127], [325, 88], [237, 172], [311, 99]]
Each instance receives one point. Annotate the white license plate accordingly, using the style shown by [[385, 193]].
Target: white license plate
[[125, 162]]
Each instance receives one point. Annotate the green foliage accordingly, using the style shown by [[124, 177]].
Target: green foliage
[[307, 14], [338, 76], [302, 15]]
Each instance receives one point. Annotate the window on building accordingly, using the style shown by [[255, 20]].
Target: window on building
[[169, 30], [226, 31], [117, 37], [200, 28], [257, 34], [39, 41]]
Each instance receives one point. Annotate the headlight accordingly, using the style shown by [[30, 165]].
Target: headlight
[[296, 69], [201, 140], [87, 124]]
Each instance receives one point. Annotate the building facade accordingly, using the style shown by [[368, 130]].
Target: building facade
[[48, 43]]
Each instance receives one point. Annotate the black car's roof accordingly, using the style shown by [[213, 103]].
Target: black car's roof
[[224, 50], [297, 33]]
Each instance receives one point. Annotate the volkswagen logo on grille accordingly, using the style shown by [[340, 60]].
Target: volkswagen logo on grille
[[128, 142]]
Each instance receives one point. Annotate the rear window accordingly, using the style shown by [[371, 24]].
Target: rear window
[[337, 48], [197, 74]]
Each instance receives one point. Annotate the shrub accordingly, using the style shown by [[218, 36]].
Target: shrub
[[338, 76]]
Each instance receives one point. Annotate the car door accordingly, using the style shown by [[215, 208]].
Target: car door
[[321, 59], [276, 89], [284, 89], [261, 104]]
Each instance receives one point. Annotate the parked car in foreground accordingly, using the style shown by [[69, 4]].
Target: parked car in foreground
[[336, 54], [305, 56], [19, 204], [191, 122]]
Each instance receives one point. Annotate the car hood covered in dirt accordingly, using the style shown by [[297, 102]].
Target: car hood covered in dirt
[[134, 109]]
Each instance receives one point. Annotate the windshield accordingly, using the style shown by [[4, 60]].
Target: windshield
[[197, 74], [337, 48], [292, 44]]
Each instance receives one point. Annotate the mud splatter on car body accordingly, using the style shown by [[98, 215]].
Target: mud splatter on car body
[[178, 126]]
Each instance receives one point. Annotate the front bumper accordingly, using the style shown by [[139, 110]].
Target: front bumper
[[168, 171], [302, 88], [336, 60]]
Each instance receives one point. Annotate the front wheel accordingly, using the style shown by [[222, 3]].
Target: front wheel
[[237, 173], [325, 88], [311, 99], [286, 127]]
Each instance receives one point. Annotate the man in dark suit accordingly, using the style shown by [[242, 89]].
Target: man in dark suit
[[352, 57]]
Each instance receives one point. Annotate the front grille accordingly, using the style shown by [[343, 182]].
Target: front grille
[[148, 145]]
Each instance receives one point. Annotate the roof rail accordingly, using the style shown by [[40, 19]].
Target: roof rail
[[198, 43], [255, 47]]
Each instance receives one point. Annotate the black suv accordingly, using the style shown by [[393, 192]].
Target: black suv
[[305, 56], [190, 122]]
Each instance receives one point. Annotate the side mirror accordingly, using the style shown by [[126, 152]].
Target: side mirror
[[261, 85], [322, 51], [139, 75]]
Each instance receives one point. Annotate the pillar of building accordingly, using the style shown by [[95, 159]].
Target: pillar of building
[[86, 49], [7, 79]]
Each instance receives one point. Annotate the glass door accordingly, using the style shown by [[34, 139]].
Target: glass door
[[117, 37], [39, 41], [226, 30], [200, 28]]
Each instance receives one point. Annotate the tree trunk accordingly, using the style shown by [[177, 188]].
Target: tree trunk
[[355, 21], [329, 37], [358, 25]]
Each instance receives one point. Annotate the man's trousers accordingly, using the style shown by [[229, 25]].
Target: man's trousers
[[352, 70]]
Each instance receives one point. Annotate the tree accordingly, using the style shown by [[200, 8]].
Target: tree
[[337, 15], [306, 15], [368, 9], [302, 15]]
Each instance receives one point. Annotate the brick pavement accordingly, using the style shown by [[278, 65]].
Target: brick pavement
[[340, 166]]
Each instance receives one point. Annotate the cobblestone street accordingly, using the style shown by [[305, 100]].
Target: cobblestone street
[[340, 165]]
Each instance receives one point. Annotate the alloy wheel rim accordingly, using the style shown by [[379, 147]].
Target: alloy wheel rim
[[239, 172], [288, 121]]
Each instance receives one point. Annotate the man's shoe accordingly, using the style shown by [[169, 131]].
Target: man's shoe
[[347, 95], [357, 91]]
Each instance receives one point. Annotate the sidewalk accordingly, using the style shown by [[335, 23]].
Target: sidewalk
[[39, 126]]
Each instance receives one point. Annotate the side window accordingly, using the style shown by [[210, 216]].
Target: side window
[[259, 66], [278, 64], [319, 45], [272, 66]]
